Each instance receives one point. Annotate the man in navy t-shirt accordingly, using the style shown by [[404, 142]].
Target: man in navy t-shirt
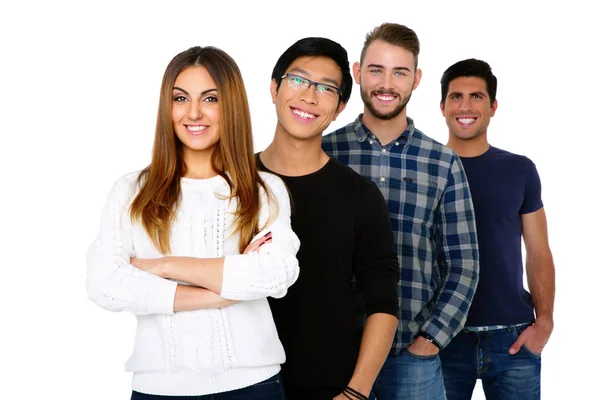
[[507, 327]]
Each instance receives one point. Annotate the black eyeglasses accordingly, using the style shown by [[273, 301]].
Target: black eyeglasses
[[301, 83]]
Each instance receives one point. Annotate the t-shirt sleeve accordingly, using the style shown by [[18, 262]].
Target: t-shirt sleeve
[[376, 261], [532, 200]]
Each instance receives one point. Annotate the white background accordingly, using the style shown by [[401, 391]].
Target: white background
[[79, 90]]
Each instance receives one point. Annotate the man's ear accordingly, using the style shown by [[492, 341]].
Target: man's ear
[[273, 90], [418, 75], [356, 72], [494, 108]]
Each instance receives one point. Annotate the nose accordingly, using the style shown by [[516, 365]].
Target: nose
[[387, 81], [465, 103], [309, 95], [195, 110]]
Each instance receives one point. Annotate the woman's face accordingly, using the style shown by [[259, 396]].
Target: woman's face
[[195, 110]]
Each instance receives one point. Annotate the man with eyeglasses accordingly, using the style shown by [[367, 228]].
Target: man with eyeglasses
[[343, 224], [431, 212]]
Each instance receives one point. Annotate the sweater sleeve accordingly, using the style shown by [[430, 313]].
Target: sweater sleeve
[[274, 268], [112, 282], [376, 261]]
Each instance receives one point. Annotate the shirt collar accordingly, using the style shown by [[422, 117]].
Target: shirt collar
[[362, 132]]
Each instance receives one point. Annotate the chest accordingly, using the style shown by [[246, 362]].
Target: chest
[[498, 197], [202, 228]]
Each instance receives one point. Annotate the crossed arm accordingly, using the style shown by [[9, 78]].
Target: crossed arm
[[117, 281], [205, 274]]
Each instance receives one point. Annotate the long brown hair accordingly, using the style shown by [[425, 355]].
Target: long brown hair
[[233, 158]]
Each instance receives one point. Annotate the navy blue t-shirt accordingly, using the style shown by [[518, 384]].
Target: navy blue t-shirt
[[504, 186]]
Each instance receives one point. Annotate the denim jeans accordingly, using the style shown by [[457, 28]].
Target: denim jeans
[[269, 389], [409, 376], [484, 355]]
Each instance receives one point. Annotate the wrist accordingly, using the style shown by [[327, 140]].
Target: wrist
[[429, 338], [545, 322], [361, 387], [353, 393]]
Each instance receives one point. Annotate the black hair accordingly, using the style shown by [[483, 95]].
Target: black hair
[[317, 47], [470, 68]]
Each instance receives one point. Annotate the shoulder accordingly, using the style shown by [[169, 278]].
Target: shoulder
[[274, 183], [431, 148], [351, 180], [338, 136], [127, 185], [519, 161]]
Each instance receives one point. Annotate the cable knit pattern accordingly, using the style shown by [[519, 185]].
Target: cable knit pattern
[[203, 351]]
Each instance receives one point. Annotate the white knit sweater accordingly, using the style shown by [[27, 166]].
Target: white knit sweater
[[203, 351]]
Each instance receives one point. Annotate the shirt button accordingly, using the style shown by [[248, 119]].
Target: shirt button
[[370, 142], [397, 143], [382, 179], [384, 151]]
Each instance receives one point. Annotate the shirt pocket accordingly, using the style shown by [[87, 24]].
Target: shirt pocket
[[414, 200]]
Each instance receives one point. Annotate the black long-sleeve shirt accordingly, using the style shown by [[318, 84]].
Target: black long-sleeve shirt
[[343, 224]]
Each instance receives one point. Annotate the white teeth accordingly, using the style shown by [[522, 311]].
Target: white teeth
[[196, 128], [304, 114], [385, 98], [466, 120]]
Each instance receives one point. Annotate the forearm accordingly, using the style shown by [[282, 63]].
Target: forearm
[[116, 285], [203, 272], [453, 302], [188, 298], [541, 282], [375, 346]]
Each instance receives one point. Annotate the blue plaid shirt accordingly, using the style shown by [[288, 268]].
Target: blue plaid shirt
[[432, 215]]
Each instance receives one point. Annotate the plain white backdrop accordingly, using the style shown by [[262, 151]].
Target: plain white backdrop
[[79, 87]]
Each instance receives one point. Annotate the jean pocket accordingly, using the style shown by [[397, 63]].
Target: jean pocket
[[531, 353]]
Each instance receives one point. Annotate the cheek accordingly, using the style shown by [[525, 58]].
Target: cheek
[[452, 109], [213, 114], [370, 81], [177, 113]]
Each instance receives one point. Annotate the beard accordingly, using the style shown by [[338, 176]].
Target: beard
[[366, 98]]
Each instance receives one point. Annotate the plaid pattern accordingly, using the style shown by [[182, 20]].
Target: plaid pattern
[[432, 215]]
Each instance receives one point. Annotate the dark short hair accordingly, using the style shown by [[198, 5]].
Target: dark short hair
[[470, 68], [394, 34], [317, 47]]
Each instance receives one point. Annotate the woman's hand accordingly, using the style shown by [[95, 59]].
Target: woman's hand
[[254, 246]]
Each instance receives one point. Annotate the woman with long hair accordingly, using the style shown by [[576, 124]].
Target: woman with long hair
[[194, 243]]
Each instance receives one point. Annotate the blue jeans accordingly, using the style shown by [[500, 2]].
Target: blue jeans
[[484, 355], [269, 389], [408, 376]]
